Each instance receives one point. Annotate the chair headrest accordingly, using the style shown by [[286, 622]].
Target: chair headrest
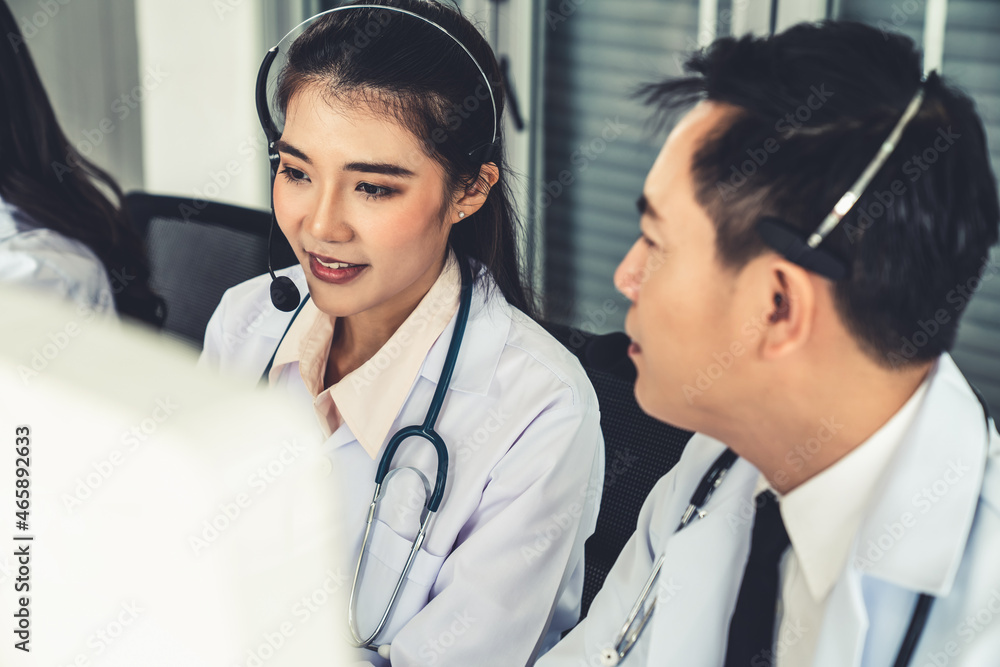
[[609, 353]]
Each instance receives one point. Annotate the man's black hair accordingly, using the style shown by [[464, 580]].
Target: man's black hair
[[814, 104]]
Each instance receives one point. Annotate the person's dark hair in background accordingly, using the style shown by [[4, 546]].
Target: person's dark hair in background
[[422, 81], [32, 150], [922, 229]]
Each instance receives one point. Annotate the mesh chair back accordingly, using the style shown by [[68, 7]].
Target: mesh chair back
[[638, 449], [197, 250]]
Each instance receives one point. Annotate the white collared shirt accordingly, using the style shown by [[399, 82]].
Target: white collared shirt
[[822, 517], [369, 397], [931, 525], [500, 574]]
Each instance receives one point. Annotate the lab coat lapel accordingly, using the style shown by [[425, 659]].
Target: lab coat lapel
[[342, 436], [701, 574], [485, 335], [935, 479], [908, 540]]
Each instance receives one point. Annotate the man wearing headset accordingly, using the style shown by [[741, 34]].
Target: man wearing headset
[[857, 520]]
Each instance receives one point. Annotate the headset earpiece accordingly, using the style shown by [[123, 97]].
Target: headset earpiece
[[484, 152], [791, 243]]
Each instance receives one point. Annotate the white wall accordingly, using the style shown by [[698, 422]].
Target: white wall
[[85, 54], [200, 134]]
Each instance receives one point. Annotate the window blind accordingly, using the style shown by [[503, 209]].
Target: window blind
[[597, 143]]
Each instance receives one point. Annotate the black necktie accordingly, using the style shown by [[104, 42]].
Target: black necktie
[[751, 630]]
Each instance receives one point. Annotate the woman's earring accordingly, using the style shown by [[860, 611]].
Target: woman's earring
[[461, 214]]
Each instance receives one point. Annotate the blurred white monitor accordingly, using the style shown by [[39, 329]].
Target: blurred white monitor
[[172, 518]]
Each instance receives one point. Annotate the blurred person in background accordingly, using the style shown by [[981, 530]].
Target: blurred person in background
[[58, 231]]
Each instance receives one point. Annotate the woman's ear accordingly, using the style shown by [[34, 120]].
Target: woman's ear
[[475, 195]]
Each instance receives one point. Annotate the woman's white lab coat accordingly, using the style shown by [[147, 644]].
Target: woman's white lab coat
[[951, 549], [41, 259], [500, 574]]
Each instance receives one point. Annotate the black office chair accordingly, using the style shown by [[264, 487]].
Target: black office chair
[[638, 450], [197, 250]]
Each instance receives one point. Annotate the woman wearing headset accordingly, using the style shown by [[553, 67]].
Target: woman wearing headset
[[390, 177]]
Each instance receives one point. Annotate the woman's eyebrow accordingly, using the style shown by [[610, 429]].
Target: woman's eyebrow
[[384, 168], [285, 147]]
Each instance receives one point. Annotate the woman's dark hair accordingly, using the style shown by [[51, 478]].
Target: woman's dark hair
[[55, 187], [814, 104], [418, 75]]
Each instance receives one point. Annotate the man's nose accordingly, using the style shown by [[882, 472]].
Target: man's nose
[[626, 277]]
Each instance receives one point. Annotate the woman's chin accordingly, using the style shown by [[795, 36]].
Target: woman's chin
[[341, 303]]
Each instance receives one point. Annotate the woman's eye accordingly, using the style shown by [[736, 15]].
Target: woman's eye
[[293, 175], [374, 191], [648, 241]]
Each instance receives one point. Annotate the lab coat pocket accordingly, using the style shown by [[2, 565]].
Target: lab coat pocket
[[387, 554]]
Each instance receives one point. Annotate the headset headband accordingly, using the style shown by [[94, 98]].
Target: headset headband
[[481, 153], [791, 242]]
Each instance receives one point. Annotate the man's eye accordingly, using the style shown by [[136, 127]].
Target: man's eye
[[374, 191], [648, 241], [293, 175]]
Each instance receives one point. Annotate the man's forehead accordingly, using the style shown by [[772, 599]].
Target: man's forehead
[[674, 159]]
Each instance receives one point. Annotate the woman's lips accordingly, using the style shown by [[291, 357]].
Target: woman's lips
[[634, 349], [340, 276]]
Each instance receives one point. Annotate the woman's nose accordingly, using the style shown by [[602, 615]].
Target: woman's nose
[[328, 222]]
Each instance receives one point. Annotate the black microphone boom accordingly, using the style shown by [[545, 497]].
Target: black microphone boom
[[284, 293]]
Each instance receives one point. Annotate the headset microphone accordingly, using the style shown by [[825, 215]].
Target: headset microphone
[[284, 293]]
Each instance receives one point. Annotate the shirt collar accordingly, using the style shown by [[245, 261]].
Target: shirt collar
[[369, 398], [824, 513]]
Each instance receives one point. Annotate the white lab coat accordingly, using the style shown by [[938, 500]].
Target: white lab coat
[[500, 574], [41, 259], [950, 549]]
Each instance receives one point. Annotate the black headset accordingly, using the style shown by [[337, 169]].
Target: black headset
[[284, 294], [804, 250]]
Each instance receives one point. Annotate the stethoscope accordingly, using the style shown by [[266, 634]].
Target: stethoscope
[[627, 636], [425, 431]]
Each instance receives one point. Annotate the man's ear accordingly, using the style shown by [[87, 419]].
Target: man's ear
[[791, 302], [475, 195]]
